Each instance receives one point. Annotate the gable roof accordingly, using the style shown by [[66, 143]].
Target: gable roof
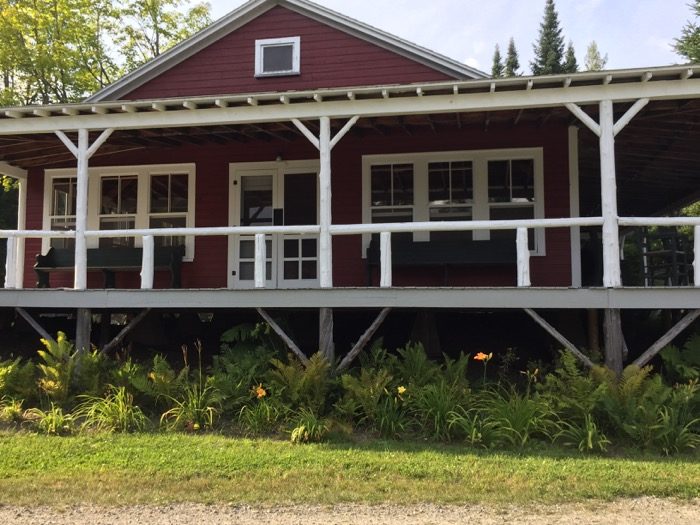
[[255, 8]]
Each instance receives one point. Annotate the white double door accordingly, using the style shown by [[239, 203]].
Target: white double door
[[274, 194]]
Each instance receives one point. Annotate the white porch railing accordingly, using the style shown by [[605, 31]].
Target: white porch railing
[[385, 231]]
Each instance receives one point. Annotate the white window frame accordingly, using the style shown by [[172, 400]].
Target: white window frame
[[143, 173], [261, 44], [480, 207]]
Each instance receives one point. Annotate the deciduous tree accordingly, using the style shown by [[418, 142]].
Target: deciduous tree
[[594, 60]]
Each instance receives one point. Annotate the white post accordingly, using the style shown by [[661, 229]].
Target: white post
[[325, 240], [574, 207], [21, 225], [608, 188], [260, 260], [11, 262], [696, 262], [385, 250], [80, 281], [147, 262], [523, 251]]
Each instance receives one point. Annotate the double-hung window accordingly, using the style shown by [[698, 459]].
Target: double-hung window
[[62, 209], [168, 206], [118, 210], [512, 193]]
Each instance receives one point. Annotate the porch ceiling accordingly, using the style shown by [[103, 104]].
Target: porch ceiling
[[657, 153]]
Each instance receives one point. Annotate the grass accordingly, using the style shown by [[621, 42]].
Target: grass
[[114, 469]]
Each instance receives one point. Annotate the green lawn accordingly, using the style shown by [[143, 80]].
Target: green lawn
[[166, 468]]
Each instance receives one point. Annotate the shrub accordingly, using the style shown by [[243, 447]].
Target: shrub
[[307, 427], [299, 386], [682, 364], [53, 422], [10, 410], [413, 368], [115, 412], [17, 379], [364, 394]]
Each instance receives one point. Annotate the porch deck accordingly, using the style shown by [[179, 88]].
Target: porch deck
[[440, 298]]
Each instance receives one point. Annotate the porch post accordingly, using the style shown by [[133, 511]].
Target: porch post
[[81, 204], [608, 188], [325, 207], [21, 225]]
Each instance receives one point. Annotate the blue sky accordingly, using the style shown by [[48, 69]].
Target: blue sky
[[634, 33]]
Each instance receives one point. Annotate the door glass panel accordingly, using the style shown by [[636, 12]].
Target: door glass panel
[[256, 200], [299, 199]]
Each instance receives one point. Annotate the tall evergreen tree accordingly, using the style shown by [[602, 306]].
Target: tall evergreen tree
[[570, 63], [497, 66], [512, 60], [688, 45], [594, 60], [549, 49]]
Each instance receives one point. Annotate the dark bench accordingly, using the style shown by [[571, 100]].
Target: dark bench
[[110, 260], [441, 253]]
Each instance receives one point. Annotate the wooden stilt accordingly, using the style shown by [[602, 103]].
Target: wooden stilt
[[667, 338], [287, 340], [571, 347], [326, 344], [34, 324], [114, 343], [614, 341], [593, 324], [105, 328], [83, 329], [362, 342]]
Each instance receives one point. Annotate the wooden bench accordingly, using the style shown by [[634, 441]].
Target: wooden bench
[[441, 253], [109, 261]]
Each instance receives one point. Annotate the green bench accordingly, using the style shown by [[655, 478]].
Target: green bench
[[441, 253], [109, 261]]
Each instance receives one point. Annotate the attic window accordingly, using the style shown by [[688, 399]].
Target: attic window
[[277, 56]]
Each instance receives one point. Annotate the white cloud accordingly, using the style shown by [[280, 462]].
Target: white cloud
[[472, 62]]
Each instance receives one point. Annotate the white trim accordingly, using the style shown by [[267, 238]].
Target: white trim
[[144, 173], [276, 169], [574, 207], [12, 171], [480, 207], [369, 102], [262, 44]]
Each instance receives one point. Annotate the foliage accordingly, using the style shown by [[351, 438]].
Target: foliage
[[594, 60], [570, 63], [54, 421], [307, 427], [413, 367], [469, 425], [301, 386], [262, 417], [432, 405], [549, 49], [681, 364], [17, 379], [11, 410], [497, 67], [66, 372], [512, 65], [584, 435], [364, 394], [115, 412], [688, 44]]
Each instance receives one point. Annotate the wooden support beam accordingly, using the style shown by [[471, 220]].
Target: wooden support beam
[[34, 324], [667, 338], [326, 343], [281, 333], [83, 329], [114, 343], [614, 340], [362, 342], [559, 337]]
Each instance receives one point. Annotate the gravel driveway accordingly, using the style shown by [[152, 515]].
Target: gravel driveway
[[640, 511]]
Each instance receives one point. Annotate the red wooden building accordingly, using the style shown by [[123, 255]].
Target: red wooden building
[[303, 159]]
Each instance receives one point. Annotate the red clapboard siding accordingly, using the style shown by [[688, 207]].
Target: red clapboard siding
[[329, 58], [212, 200]]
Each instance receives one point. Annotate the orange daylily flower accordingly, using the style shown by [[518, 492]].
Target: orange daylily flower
[[259, 391], [481, 356]]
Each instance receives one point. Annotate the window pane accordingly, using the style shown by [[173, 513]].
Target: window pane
[[110, 196], [392, 215], [129, 194], [523, 179], [499, 181], [513, 213], [451, 213], [381, 185], [291, 269], [246, 271], [291, 248], [308, 248], [64, 191], [308, 269], [439, 182], [278, 58], [403, 184], [119, 223], [159, 193], [462, 185], [178, 193], [168, 222], [247, 249], [256, 205]]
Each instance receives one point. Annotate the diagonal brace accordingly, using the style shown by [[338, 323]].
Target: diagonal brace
[[667, 338], [124, 332], [334, 141], [362, 342], [559, 337], [288, 340]]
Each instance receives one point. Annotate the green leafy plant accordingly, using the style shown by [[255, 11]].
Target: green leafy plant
[[115, 412], [392, 419], [585, 436], [467, 424], [455, 370], [54, 421], [262, 417], [682, 364], [17, 379], [11, 410], [300, 386], [364, 394], [432, 405], [307, 427], [413, 368]]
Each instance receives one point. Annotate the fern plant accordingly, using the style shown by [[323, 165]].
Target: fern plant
[[299, 386], [17, 379], [682, 364], [413, 367], [364, 394]]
